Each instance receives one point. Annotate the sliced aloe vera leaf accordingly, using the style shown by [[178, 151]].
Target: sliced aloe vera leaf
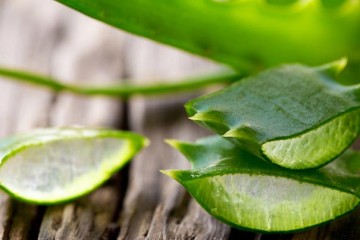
[[295, 116], [242, 33], [248, 193], [49, 166]]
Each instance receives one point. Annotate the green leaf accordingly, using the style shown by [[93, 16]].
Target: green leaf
[[122, 90], [242, 190], [245, 34], [49, 166], [295, 116]]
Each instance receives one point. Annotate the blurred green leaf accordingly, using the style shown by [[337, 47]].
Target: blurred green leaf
[[245, 34], [123, 90]]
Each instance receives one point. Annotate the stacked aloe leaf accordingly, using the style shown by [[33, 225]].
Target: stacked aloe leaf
[[275, 129]]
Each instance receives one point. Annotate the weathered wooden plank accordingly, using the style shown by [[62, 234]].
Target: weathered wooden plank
[[6, 212], [26, 41], [87, 218], [156, 207]]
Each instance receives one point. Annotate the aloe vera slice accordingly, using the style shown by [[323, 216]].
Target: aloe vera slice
[[242, 33], [295, 116], [240, 189], [49, 166]]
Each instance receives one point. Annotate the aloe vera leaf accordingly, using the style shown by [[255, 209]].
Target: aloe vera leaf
[[50, 166], [295, 116], [122, 90], [245, 34], [240, 189]]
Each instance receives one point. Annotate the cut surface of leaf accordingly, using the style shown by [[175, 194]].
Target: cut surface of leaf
[[295, 116], [246, 192], [245, 34], [49, 166]]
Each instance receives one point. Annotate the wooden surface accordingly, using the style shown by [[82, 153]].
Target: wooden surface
[[139, 202]]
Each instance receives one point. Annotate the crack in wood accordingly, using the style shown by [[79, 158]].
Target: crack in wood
[[181, 209], [6, 213]]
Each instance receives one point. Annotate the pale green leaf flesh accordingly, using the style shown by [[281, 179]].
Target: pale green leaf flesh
[[245, 34], [315, 147], [248, 193], [295, 116], [269, 203], [54, 165]]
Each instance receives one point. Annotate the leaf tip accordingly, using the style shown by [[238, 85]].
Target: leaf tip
[[231, 133], [339, 65], [145, 142], [179, 146], [197, 117], [333, 69], [204, 117], [182, 147], [173, 143], [170, 173]]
